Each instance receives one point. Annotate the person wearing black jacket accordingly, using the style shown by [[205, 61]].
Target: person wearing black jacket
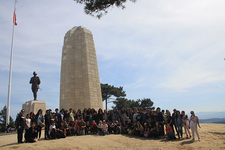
[[47, 123], [138, 118], [20, 121], [95, 117], [32, 116], [173, 120], [58, 116], [143, 116], [100, 115], [66, 116], [160, 119], [153, 118], [7, 128], [31, 133]]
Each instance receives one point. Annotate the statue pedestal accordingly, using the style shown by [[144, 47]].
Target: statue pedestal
[[34, 106]]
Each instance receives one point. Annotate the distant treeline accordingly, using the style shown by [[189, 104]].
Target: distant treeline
[[213, 120]]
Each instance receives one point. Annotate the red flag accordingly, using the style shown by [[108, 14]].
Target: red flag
[[14, 17]]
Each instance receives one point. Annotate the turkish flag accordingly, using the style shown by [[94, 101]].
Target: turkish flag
[[14, 17]]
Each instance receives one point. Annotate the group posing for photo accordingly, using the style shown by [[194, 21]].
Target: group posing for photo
[[143, 123]]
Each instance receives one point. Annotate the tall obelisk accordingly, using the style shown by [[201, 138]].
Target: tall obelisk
[[80, 84]]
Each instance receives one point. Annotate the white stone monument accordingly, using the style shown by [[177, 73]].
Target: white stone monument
[[80, 84]]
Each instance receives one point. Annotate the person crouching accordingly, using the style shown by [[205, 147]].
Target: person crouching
[[169, 132], [52, 130], [31, 134], [62, 130], [105, 128], [82, 126]]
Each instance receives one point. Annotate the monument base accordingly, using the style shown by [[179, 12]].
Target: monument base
[[34, 106]]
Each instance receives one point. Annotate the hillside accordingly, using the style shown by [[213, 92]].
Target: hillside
[[212, 137]]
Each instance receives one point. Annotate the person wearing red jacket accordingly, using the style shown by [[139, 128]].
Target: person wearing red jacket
[[94, 128]]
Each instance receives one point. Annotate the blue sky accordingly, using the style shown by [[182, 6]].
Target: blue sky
[[170, 51]]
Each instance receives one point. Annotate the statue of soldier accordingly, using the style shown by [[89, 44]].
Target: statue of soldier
[[35, 81]]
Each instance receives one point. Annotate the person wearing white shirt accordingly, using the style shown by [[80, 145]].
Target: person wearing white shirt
[[27, 125], [52, 130], [193, 124], [104, 128], [100, 127]]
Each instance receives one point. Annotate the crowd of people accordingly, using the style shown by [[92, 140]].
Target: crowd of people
[[143, 122]]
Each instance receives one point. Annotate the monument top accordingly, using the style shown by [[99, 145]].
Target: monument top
[[71, 31]]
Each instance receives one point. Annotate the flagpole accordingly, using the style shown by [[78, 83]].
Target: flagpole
[[10, 73]]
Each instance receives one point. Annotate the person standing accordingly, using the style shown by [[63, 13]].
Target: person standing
[[105, 115], [20, 121], [32, 116], [58, 116], [164, 117], [173, 121], [39, 122], [62, 114], [178, 123], [71, 118], [160, 120], [7, 128], [135, 116], [27, 125], [47, 124], [193, 124], [169, 120], [185, 122], [143, 116], [100, 115]]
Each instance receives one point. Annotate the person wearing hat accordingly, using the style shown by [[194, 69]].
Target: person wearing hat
[[35, 81]]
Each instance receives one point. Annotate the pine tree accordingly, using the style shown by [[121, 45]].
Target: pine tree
[[99, 8], [3, 120], [110, 90]]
